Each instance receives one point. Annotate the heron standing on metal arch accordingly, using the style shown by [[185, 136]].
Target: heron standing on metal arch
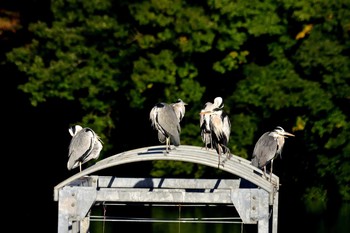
[[165, 121], [216, 127], [268, 147], [84, 146], [204, 121]]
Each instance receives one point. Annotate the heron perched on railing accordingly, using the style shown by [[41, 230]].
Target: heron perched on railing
[[215, 127], [204, 121], [84, 146], [166, 121], [268, 147]]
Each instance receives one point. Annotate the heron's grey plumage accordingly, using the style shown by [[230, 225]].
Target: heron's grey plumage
[[215, 127], [84, 146], [166, 122], [268, 147], [204, 121], [180, 109]]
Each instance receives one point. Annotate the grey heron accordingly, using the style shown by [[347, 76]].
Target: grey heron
[[216, 127], [164, 120], [180, 109], [268, 147], [84, 146], [204, 121]]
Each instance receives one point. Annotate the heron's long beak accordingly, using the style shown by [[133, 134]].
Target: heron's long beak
[[285, 134]]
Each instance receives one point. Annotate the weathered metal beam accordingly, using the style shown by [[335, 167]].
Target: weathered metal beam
[[164, 196], [125, 182], [193, 154]]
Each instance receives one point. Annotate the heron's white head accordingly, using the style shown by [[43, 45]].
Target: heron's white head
[[218, 102], [180, 101], [74, 129], [280, 131]]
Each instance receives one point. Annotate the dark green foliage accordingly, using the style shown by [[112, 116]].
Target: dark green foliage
[[274, 63]]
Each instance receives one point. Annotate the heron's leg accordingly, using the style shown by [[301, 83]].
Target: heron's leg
[[265, 172], [169, 147], [228, 152], [167, 144], [219, 155], [205, 141], [219, 161], [271, 170]]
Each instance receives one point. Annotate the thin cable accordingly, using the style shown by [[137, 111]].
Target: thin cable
[[104, 217], [166, 205], [179, 224], [179, 220]]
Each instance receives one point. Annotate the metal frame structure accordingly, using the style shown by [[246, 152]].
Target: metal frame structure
[[254, 197]]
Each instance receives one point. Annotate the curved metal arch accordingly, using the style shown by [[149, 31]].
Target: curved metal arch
[[235, 165]]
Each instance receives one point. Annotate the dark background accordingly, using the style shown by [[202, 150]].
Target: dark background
[[36, 145]]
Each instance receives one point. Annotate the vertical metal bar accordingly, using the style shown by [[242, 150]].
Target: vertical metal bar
[[263, 223], [64, 208], [63, 223], [275, 213], [75, 226]]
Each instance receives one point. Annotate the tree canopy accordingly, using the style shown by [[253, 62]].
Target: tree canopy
[[274, 63]]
